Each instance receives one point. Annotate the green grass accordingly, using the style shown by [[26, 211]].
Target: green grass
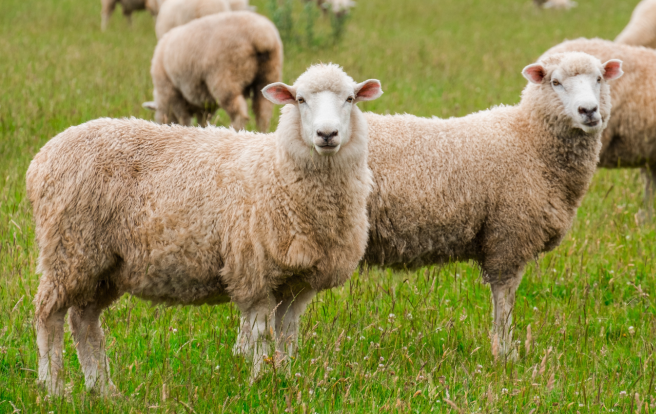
[[444, 58]]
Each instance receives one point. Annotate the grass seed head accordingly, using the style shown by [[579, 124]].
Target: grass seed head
[[529, 339], [495, 346]]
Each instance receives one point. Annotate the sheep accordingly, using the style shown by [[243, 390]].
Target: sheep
[[641, 30], [153, 6], [498, 187], [191, 216], [128, 7], [338, 7], [175, 13], [215, 61], [629, 141], [555, 4], [239, 5]]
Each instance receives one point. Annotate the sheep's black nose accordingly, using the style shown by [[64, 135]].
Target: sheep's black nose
[[327, 135], [586, 111]]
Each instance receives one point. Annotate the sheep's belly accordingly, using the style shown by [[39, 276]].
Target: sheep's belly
[[181, 290]]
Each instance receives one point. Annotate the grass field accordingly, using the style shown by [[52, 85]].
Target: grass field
[[387, 341]]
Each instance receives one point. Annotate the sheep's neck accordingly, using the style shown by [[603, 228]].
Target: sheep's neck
[[315, 207], [569, 154]]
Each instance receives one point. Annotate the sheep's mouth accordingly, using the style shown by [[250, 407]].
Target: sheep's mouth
[[592, 123], [327, 149]]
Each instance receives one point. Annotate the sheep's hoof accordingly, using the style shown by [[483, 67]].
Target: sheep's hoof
[[53, 390], [242, 350]]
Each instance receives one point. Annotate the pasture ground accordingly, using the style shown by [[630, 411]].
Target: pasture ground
[[387, 341]]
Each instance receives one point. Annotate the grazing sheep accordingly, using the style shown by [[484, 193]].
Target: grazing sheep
[[128, 7], [555, 4], [498, 186], [191, 216], [178, 12], [629, 141], [153, 6], [214, 61], [641, 30], [238, 5], [338, 7], [175, 13]]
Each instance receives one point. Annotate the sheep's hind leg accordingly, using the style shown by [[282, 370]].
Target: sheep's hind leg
[[288, 315], [107, 10], [50, 342], [90, 343], [128, 15], [503, 297], [649, 177], [262, 108], [258, 315], [237, 109], [233, 102]]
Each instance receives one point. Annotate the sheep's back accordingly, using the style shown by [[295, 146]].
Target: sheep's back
[[224, 49], [158, 199], [641, 30], [437, 183]]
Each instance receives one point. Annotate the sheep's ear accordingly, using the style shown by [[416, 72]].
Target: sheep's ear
[[368, 90], [534, 73], [279, 93], [150, 105], [613, 69]]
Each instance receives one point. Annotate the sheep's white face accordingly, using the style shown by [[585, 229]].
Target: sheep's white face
[[325, 115], [579, 94]]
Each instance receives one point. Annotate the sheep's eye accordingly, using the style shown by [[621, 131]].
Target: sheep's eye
[[349, 99], [599, 79], [555, 83], [300, 100]]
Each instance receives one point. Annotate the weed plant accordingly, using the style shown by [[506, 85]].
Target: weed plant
[[301, 25], [387, 341]]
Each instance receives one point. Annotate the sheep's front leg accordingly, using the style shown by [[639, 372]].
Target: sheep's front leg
[[649, 177], [288, 314], [242, 345], [503, 298], [258, 316]]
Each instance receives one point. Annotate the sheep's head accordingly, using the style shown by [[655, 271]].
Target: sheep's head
[[325, 98], [579, 82]]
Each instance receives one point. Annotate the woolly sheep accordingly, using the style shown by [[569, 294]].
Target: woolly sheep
[[153, 6], [175, 13], [214, 61], [191, 216], [555, 4], [128, 7], [338, 7], [498, 186], [238, 5], [629, 141], [641, 30]]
